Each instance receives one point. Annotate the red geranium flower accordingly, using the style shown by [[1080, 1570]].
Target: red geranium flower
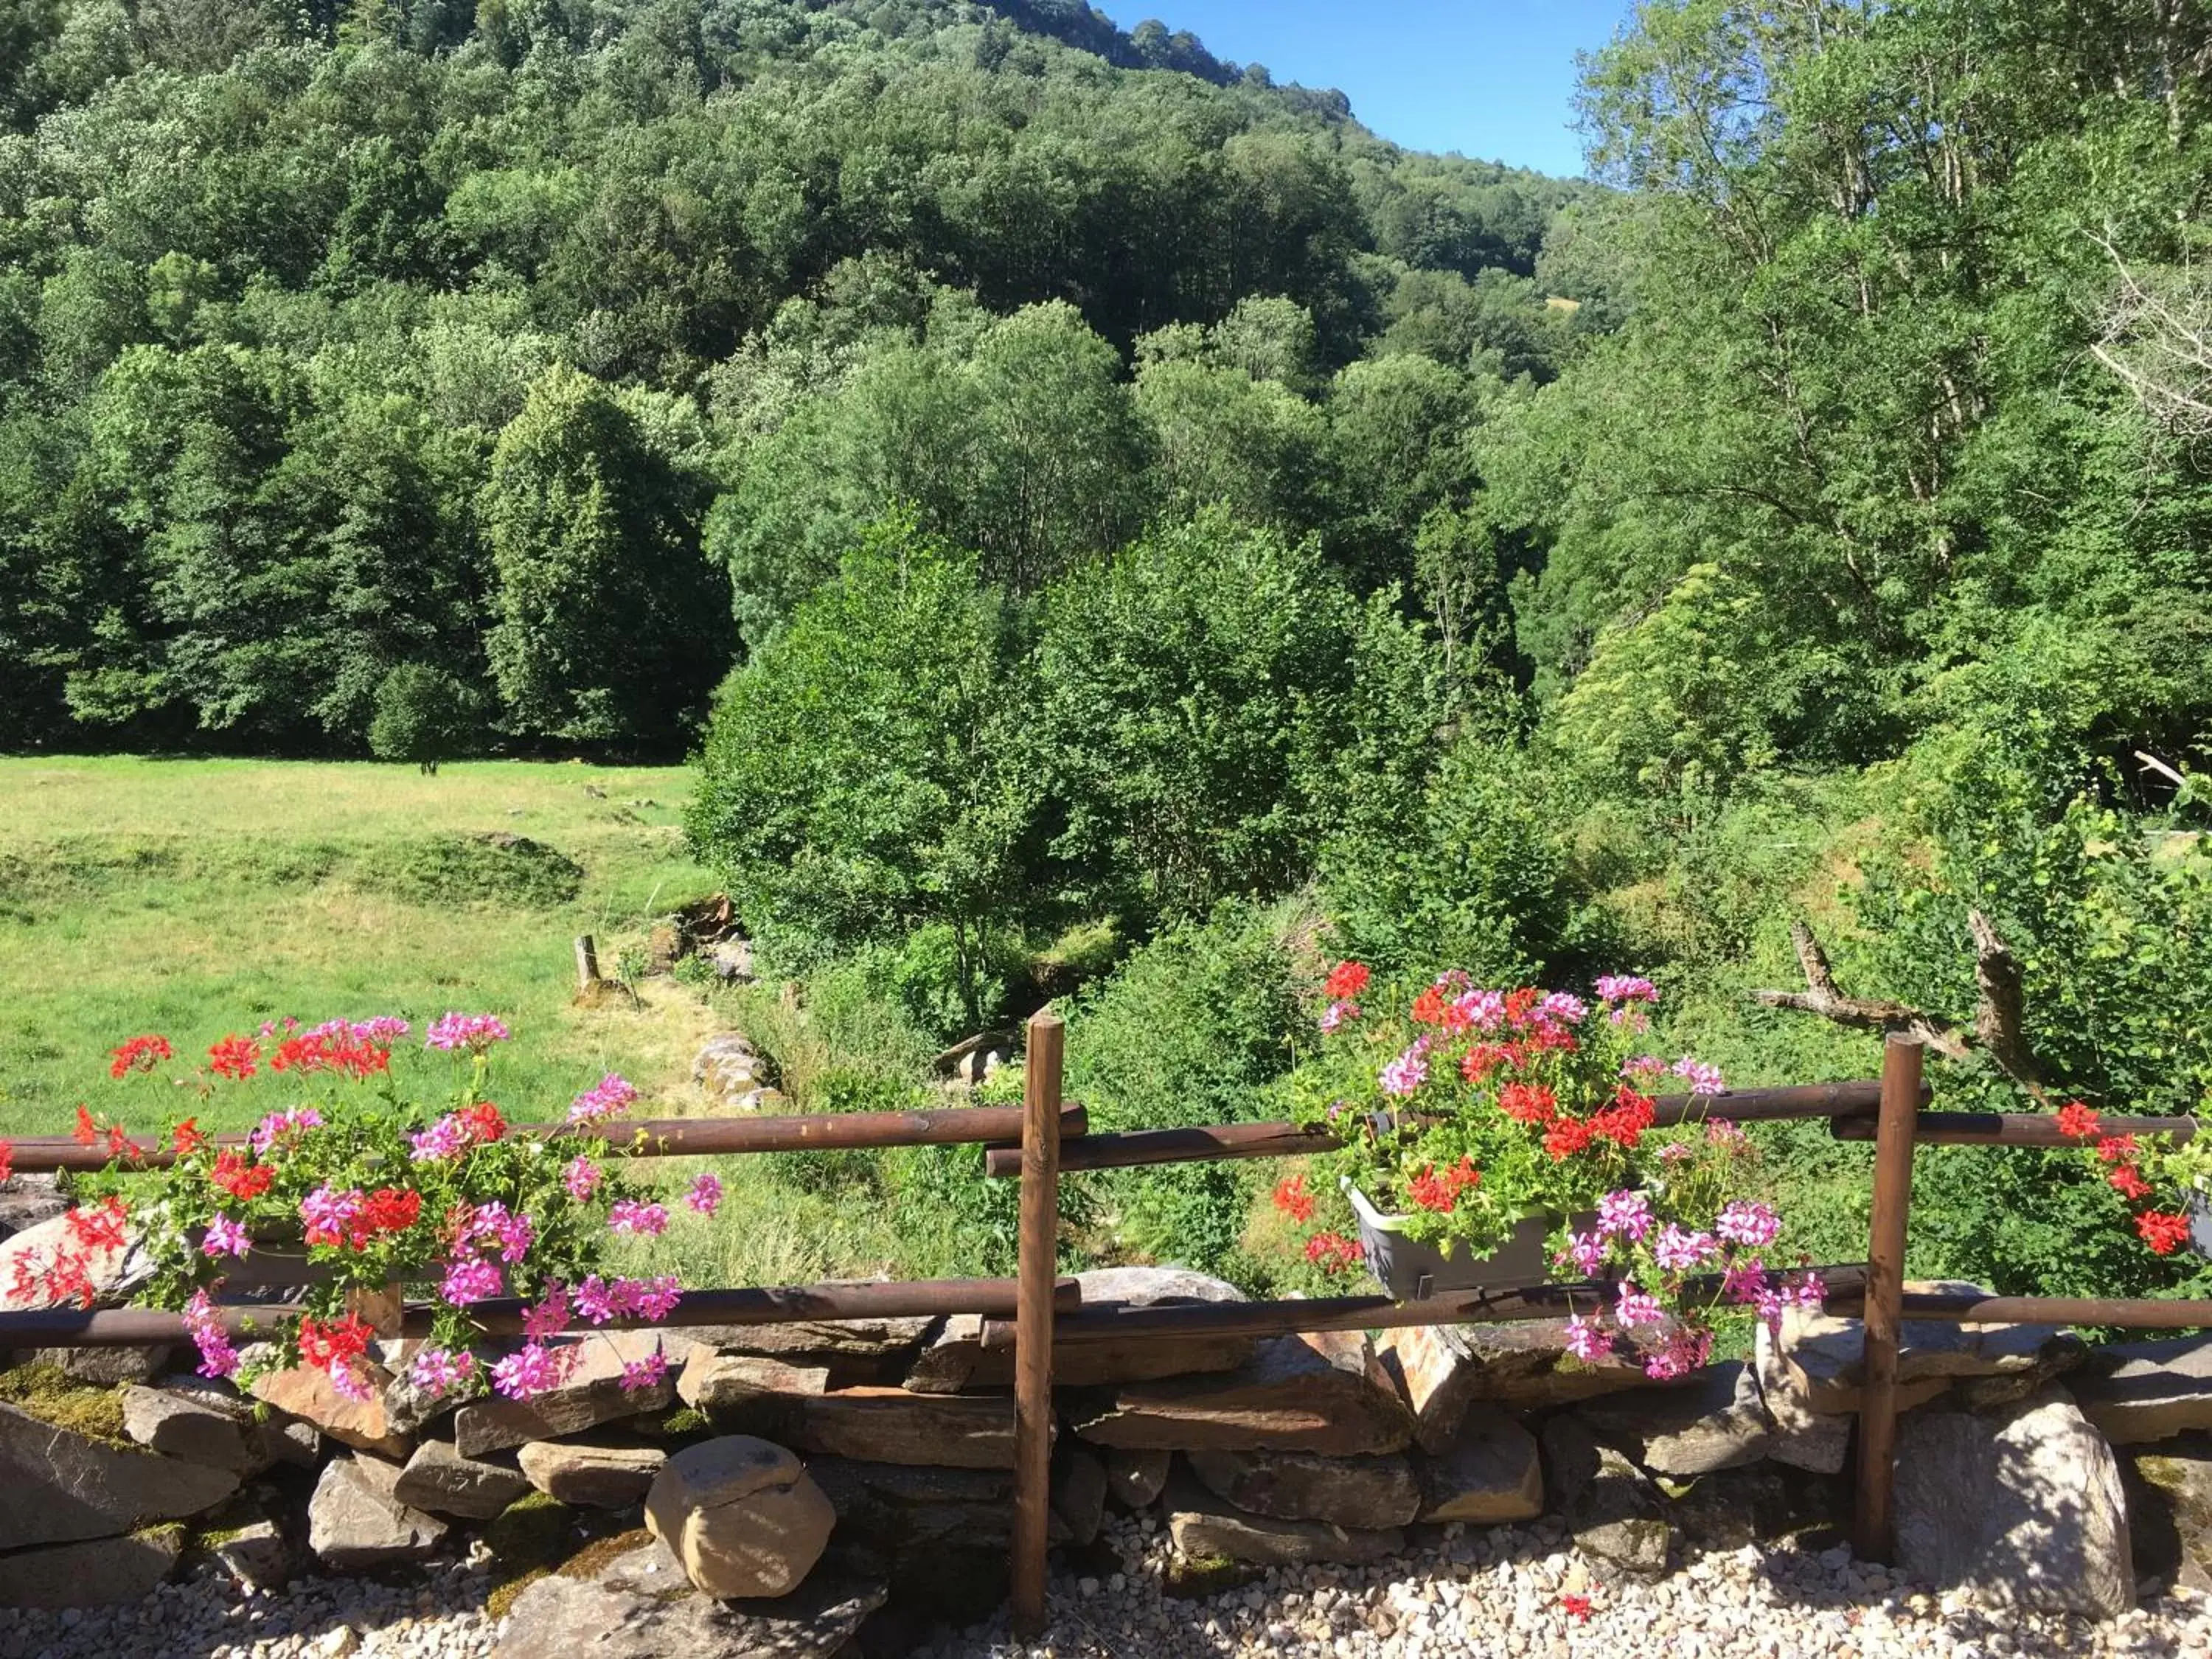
[[87, 1131], [390, 1210], [2164, 1233], [1528, 1102], [2128, 1182], [2118, 1149], [1345, 980], [1565, 1137], [1577, 1608], [484, 1120], [140, 1054], [328, 1344], [187, 1137], [1293, 1199], [234, 1058], [1429, 1008], [7, 1160], [241, 1180], [2076, 1121], [1332, 1252]]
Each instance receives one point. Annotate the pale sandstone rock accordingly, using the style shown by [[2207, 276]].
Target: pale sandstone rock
[[741, 1515], [596, 1477]]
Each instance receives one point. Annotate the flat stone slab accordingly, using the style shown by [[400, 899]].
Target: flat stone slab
[[62, 1486], [365, 1424], [2023, 1505], [195, 1429], [100, 1572], [593, 1393], [1324, 1393], [1717, 1420], [1202, 1526], [1136, 1479], [854, 1349], [955, 1358], [1524, 1365], [1818, 1360], [439, 1479], [595, 1477], [1362, 1494], [2139, 1392], [713, 1381], [643, 1606], [1489, 1474], [891, 1426]]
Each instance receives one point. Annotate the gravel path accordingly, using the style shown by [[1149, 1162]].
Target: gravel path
[[1498, 1591]]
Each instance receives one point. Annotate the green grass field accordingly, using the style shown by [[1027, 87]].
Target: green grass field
[[194, 898]]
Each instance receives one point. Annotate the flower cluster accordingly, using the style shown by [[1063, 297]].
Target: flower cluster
[[2122, 1160], [1478, 1106], [375, 1192]]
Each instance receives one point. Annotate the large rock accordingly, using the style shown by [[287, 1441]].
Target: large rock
[[1489, 1474], [26, 1256], [890, 1426], [590, 1393], [365, 1424], [62, 1486], [596, 1477], [1324, 1393], [639, 1607], [439, 1479], [2169, 1511], [956, 1359], [1525, 1366], [1759, 1504], [101, 1572], [2023, 1505], [1817, 1361], [1203, 1527], [1435, 1369], [1717, 1421], [1368, 1493], [195, 1428], [741, 1515], [355, 1518], [1612, 1508], [2138, 1392], [1817, 1442], [712, 1381]]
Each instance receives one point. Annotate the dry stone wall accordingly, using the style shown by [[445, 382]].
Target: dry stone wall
[[814, 1477]]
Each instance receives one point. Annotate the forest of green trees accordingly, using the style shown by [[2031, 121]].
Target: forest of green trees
[[1136, 518]]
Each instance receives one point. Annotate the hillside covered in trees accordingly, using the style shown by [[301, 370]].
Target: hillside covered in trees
[[516, 341], [1142, 524]]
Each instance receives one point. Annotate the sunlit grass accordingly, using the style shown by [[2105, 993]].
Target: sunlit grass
[[198, 897]]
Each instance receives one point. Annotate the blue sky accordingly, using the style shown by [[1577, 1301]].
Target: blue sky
[[1490, 78]]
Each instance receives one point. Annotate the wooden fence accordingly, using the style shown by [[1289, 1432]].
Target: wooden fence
[[1045, 1138]]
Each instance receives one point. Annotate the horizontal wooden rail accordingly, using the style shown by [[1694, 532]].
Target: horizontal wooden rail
[[1117, 1322], [2142, 1313], [1140, 1147], [684, 1137], [110, 1327], [2013, 1128]]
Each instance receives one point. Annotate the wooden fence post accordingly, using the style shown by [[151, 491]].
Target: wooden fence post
[[587, 964], [1040, 1251], [1872, 1530]]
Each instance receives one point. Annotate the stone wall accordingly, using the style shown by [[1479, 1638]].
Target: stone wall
[[817, 1476]]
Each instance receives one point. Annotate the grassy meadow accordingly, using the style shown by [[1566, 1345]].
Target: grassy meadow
[[198, 897], [195, 898]]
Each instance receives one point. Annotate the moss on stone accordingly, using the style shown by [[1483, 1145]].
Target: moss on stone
[[167, 1535], [533, 1531], [685, 1420], [1190, 1577], [503, 1593], [51, 1395], [600, 1552]]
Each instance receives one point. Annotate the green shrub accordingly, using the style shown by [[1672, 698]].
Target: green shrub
[[425, 715], [1195, 1028]]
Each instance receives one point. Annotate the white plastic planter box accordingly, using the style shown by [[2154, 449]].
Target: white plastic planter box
[[1410, 1269]]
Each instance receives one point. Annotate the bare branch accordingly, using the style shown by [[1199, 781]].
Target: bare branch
[[2155, 335], [1998, 1031]]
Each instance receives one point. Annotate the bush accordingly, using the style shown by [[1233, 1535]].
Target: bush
[[1195, 1028], [425, 715]]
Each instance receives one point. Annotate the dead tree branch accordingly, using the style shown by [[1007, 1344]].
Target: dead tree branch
[[1999, 1019]]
